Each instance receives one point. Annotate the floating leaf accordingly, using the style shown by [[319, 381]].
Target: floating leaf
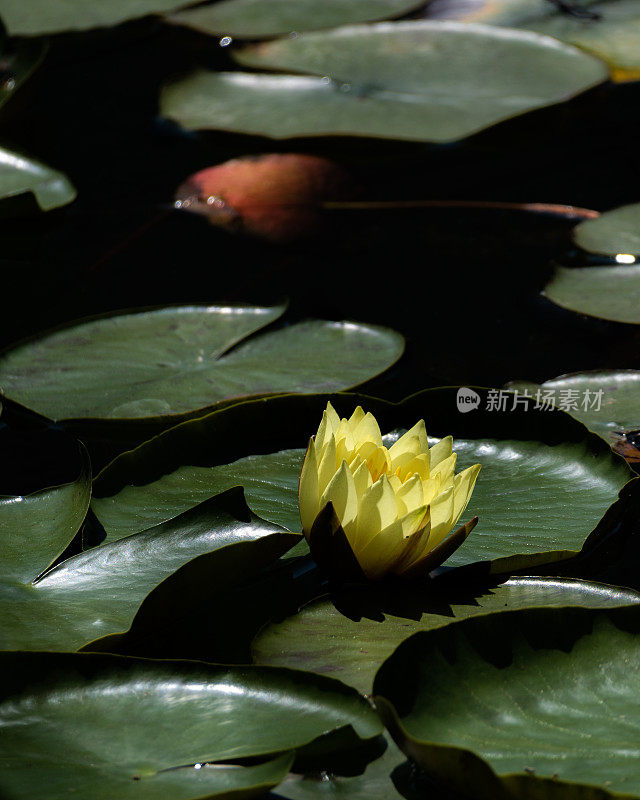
[[349, 634], [616, 410], [610, 30], [255, 19], [98, 592], [20, 175], [544, 486], [429, 81], [178, 360], [20, 59], [36, 528], [532, 703], [615, 232], [42, 17], [605, 292], [376, 783], [103, 726]]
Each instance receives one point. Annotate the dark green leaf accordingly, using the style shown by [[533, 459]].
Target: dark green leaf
[[376, 783], [605, 292], [20, 59], [254, 19], [615, 232], [618, 409], [429, 81], [348, 634], [545, 485], [614, 36], [537, 703], [20, 175], [36, 528], [42, 17], [98, 592], [178, 360], [104, 727]]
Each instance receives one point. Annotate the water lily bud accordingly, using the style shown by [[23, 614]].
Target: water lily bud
[[368, 511], [276, 197]]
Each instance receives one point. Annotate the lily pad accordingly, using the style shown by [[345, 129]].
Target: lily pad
[[545, 485], [20, 175], [532, 703], [347, 635], [376, 783], [178, 360], [615, 410], [36, 528], [614, 232], [427, 81], [604, 292], [99, 591], [255, 19], [20, 61], [609, 30], [103, 726], [42, 17]]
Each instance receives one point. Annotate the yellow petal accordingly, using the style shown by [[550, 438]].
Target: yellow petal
[[328, 465], [403, 455], [440, 451], [344, 448], [414, 441], [341, 492], [377, 509], [356, 418], [376, 457], [308, 492], [387, 549], [445, 469], [440, 517], [430, 489], [361, 476], [463, 486], [328, 427], [344, 433], [410, 495], [418, 466], [368, 430]]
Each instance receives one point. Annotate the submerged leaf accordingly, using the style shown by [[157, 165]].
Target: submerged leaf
[[276, 197]]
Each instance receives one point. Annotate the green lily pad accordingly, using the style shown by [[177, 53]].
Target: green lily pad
[[545, 485], [616, 410], [99, 591], [20, 175], [177, 360], [35, 529], [20, 61], [349, 634], [532, 703], [255, 19], [103, 726], [604, 292], [427, 81], [376, 783], [614, 232], [42, 17], [614, 36]]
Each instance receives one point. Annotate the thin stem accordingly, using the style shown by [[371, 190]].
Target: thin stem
[[571, 212]]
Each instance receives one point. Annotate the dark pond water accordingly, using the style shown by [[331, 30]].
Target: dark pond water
[[462, 284]]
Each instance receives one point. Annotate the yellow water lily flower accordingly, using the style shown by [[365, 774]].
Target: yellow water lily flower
[[395, 506]]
